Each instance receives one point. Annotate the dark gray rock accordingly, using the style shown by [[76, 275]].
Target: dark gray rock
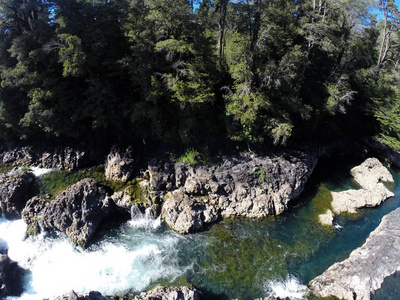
[[171, 293], [15, 191], [119, 164], [77, 211], [11, 277], [245, 185], [384, 151], [49, 157], [367, 266], [31, 214], [93, 295]]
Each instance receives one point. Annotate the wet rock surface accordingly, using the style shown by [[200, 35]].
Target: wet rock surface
[[365, 269], [15, 191], [77, 211], [11, 277]]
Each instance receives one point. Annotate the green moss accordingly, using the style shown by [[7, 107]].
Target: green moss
[[178, 281], [5, 168], [237, 261], [55, 182], [311, 296], [322, 200]]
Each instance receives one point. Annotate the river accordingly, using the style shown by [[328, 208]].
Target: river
[[236, 258]]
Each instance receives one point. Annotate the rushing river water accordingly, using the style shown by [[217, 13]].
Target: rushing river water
[[237, 258]]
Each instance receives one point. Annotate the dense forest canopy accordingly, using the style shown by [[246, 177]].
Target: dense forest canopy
[[188, 72]]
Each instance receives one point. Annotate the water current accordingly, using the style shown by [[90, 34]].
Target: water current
[[237, 258]]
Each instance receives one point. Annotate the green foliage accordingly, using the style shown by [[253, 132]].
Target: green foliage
[[254, 71], [193, 157]]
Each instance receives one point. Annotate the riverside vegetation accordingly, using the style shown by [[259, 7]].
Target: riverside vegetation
[[192, 73]]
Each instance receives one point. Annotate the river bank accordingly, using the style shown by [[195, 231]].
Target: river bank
[[290, 241]]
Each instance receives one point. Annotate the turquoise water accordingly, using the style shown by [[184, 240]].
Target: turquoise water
[[238, 258]]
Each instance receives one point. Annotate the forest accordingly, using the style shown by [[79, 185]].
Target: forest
[[265, 72]]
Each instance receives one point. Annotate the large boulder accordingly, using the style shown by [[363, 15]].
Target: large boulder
[[171, 293], [31, 214], [370, 173], [186, 214], [245, 185], [15, 190], [365, 269], [11, 277], [119, 164], [77, 211]]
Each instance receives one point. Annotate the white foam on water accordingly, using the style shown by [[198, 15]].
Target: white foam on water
[[38, 171], [111, 266], [289, 287], [144, 220]]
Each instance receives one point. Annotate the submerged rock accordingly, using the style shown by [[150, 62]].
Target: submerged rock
[[77, 211], [245, 185], [15, 191], [365, 269], [171, 293], [11, 277]]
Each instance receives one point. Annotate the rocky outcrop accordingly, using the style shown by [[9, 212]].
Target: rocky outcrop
[[119, 164], [365, 269], [159, 293], [371, 176], [11, 277], [15, 190], [77, 211], [188, 214], [49, 157], [93, 295], [171, 293], [32, 213], [244, 185]]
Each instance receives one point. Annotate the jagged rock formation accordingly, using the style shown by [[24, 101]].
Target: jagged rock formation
[[57, 157], [11, 277], [15, 191], [93, 295], [77, 211], [119, 164], [186, 214], [171, 293], [244, 185], [371, 176], [365, 269]]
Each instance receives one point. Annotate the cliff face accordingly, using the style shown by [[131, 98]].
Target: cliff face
[[365, 269]]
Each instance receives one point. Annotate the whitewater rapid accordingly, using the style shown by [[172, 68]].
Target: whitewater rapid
[[133, 258]]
